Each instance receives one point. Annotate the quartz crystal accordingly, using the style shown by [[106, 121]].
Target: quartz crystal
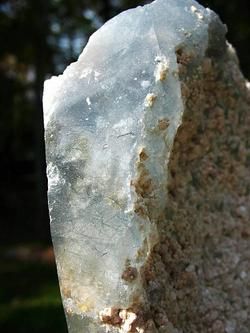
[[111, 120]]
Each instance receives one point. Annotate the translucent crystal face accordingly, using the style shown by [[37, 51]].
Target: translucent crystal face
[[110, 120]]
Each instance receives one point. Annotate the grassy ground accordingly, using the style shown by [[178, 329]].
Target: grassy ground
[[29, 294]]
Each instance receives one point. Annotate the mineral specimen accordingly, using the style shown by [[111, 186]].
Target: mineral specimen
[[148, 182]]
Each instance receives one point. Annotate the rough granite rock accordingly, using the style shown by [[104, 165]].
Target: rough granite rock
[[148, 156]]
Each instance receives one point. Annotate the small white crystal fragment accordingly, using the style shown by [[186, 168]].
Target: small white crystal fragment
[[162, 68], [88, 101], [150, 99]]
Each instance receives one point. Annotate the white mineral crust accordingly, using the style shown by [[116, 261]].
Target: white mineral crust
[[110, 121]]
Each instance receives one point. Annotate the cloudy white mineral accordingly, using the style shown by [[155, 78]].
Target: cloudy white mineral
[[111, 120]]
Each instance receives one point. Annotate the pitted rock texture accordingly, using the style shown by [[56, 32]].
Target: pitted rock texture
[[198, 276]]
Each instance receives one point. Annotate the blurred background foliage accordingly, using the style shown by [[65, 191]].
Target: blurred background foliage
[[38, 39]]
